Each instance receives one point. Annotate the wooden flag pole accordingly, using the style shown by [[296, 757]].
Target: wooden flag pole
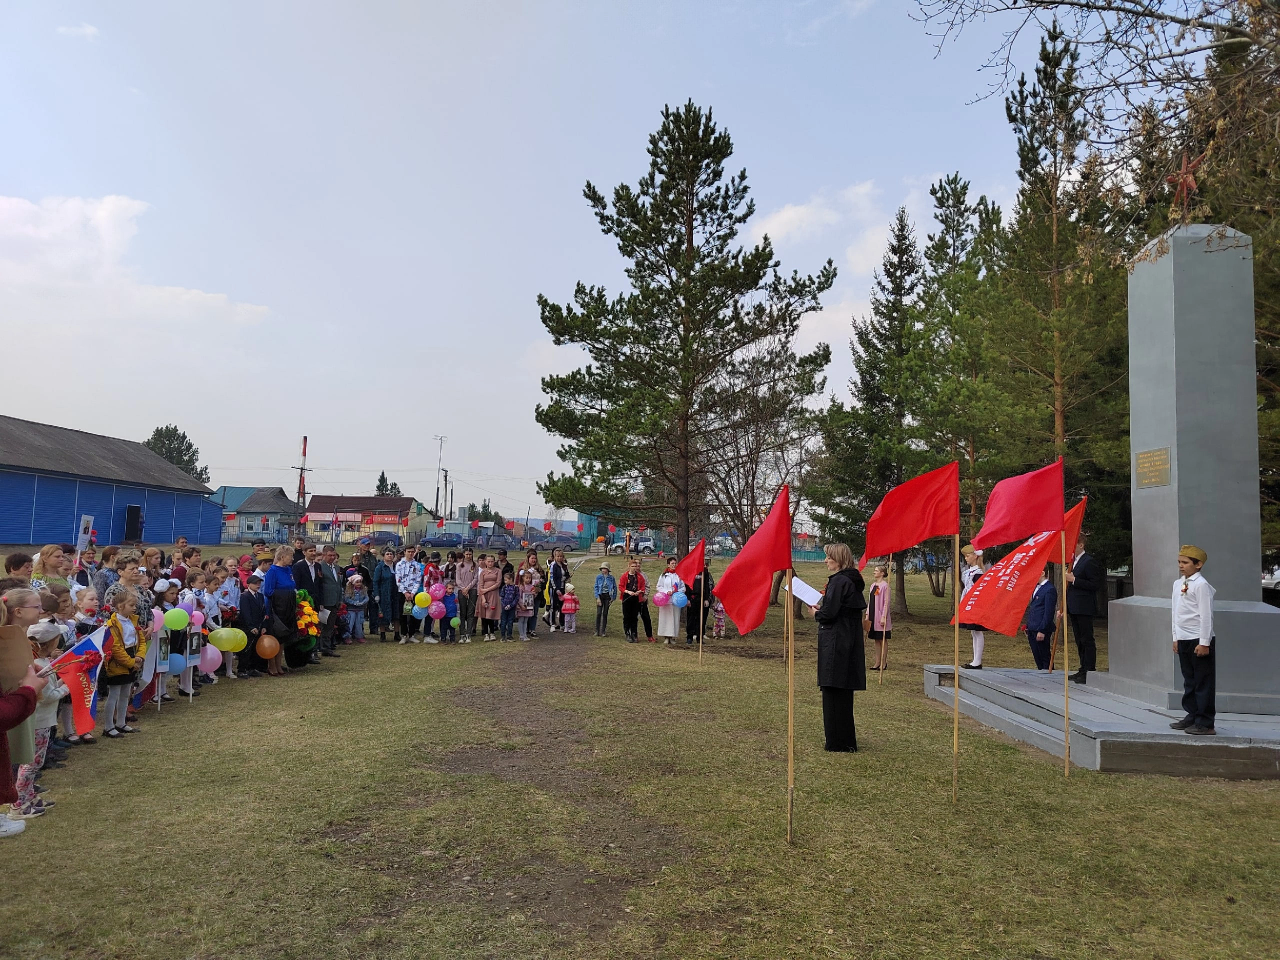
[[1066, 674], [702, 603], [789, 619], [955, 695], [888, 601]]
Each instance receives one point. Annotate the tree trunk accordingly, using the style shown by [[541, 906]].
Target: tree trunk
[[900, 589]]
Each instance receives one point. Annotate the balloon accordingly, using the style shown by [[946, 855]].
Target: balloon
[[436, 610], [197, 619], [436, 590], [187, 606], [661, 599], [419, 613], [177, 663], [226, 639], [157, 619], [456, 622], [176, 619], [679, 599], [268, 646], [422, 599], [210, 659]]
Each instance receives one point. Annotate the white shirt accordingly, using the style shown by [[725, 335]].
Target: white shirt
[[1193, 609]]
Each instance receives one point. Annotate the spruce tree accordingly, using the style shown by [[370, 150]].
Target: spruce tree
[[382, 489]]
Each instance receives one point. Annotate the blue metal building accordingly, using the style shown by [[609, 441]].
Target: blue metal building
[[50, 476]]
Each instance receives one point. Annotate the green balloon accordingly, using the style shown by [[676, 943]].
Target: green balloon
[[229, 639], [456, 622], [176, 619]]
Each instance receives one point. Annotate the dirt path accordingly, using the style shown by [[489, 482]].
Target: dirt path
[[556, 760]]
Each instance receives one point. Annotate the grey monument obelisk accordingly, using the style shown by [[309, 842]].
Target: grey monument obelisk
[[1194, 454]]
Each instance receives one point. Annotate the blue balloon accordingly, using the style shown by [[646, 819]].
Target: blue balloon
[[419, 613], [177, 663], [679, 600]]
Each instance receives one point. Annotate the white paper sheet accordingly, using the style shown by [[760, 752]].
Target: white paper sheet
[[804, 592]]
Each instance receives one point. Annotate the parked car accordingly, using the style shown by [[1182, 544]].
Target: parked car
[[381, 538], [503, 540], [558, 542], [643, 545], [450, 541]]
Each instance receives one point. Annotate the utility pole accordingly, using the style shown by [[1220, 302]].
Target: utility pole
[[450, 499], [302, 476], [439, 461], [446, 494]]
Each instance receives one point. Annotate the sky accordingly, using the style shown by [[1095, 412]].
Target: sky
[[264, 220]]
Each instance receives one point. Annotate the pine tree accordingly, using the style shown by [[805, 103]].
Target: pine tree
[[176, 447], [641, 421], [382, 489]]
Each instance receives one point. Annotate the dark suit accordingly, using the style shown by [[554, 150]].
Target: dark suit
[[303, 578], [253, 612], [328, 597], [1040, 613], [1082, 604]]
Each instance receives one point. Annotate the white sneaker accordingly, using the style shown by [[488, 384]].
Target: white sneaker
[[432, 640], [233, 676], [403, 641], [414, 640], [11, 828], [553, 628]]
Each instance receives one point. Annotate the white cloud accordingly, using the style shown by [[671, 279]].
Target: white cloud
[[866, 251], [86, 31], [795, 220]]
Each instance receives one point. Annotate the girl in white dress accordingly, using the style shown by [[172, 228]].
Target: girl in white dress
[[669, 616]]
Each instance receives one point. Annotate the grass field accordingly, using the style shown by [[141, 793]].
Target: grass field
[[584, 798]]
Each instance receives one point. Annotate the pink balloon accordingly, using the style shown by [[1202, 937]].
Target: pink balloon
[[662, 599], [197, 618], [436, 610], [436, 592], [157, 619], [210, 659]]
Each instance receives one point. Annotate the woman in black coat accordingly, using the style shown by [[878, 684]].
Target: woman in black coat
[[842, 665]]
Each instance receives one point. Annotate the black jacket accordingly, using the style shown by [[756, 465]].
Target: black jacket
[[1082, 596], [303, 580], [841, 659], [253, 610]]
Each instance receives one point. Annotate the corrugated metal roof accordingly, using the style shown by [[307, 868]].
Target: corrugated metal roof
[[270, 500], [230, 498], [26, 445], [322, 504]]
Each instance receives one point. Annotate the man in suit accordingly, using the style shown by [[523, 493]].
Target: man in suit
[[328, 597], [1084, 580], [253, 613], [306, 576]]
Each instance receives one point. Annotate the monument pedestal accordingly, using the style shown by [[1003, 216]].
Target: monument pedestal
[[1194, 448]]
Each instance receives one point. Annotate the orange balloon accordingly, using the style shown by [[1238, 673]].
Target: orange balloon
[[268, 646]]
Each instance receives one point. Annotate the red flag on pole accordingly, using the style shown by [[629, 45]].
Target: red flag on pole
[[580, 526], [475, 524], [744, 588], [546, 527], [912, 512], [510, 524], [693, 562], [1024, 505], [440, 522], [612, 528], [999, 600]]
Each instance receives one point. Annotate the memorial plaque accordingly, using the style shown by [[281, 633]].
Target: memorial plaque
[[1151, 468]]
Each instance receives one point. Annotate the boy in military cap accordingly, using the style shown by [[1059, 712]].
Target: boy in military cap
[[1193, 642]]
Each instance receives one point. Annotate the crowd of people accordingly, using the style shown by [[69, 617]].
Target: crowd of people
[[296, 605]]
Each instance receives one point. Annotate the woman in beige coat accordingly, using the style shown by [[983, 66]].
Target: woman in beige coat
[[488, 600]]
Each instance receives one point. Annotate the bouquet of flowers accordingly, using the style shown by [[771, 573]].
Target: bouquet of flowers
[[308, 619]]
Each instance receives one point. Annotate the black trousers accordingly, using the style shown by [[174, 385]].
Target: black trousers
[[1082, 627], [631, 609], [837, 719], [1199, 682], [694, 620], [602, 613], [1040, 648]]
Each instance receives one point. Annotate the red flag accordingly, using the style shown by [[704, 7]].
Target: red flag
[[693, 562], [440, 522], [547, 526], [510, 524], [580, 528], [999, 600], [744, 588], [475, 524], [612, 528], [1020, 506], [912, 512]]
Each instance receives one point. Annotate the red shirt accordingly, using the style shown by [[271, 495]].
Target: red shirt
[[14, 708]]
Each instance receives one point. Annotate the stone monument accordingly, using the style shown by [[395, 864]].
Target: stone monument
[[1194, 455]]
